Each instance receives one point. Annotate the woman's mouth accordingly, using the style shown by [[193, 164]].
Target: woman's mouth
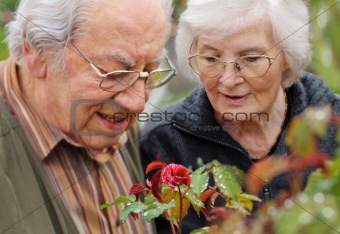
[[235, 99]]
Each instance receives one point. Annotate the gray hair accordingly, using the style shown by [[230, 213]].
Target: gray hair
[[221, 18], [49, 25]]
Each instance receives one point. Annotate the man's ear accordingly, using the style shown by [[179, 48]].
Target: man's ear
[[34, 62]]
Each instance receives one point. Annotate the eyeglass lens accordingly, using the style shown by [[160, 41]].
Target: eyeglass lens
[[249, 66], [118, 81]]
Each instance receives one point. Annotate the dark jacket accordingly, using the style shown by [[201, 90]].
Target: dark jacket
[[193, 132]]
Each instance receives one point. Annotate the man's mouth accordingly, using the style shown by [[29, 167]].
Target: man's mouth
[[112, 118]]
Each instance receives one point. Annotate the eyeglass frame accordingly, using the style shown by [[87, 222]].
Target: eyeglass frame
[[237, 66], [142, 74]]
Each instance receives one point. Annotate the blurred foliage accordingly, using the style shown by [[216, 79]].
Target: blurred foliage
[[325, 16], [8, 5], [314, 210], [326, 41], [3, 47], [179, 6]]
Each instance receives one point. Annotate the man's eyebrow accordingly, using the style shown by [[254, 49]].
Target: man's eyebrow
[[127, 63], [121, 59], [161, 57]]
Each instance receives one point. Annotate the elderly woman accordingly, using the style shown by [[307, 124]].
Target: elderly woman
[[249, 57]]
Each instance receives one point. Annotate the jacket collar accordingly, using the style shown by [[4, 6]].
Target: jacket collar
[[195, 115]]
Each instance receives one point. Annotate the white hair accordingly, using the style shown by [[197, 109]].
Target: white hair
[[48, 26], [217, 19]]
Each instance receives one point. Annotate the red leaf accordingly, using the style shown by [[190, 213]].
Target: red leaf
[[213, 197], [208, 197], [154, 166], [283, 195], [156, 186], [316, 160], [206, 194], [137, 189], [134, 215], [219, 212], [264, 171]]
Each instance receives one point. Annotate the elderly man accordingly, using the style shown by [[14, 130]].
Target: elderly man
[[63, 150]]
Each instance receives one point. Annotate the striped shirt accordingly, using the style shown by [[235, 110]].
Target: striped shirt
[[82, 179]]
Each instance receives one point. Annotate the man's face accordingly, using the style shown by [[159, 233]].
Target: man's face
[[122, 35]]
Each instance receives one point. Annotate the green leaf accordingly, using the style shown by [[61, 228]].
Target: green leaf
[[246, 200], [308, 214], [199, 180], [119, 200], [327, 181], [338, 135], [149, 199], [318, 119], [193, 199], [212, 164], [244, 207], [300, 137], [249, 197], [227, 181], [314, 180], [240, 175], [199, 231], [134, 207], [158, 210]]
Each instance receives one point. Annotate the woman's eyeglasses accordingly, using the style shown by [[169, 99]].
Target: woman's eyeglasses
[[250, 66]]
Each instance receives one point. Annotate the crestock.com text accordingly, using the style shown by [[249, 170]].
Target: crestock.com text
[[193, 117]]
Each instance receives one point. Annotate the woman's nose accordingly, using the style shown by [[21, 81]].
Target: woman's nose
[[231, 76]]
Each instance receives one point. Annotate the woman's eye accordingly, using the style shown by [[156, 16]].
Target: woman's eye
[[251, 59], [210, 59]]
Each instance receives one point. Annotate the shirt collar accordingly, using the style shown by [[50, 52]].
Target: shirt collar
[[43, 136]]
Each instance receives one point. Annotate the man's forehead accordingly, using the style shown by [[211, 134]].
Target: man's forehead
[[141, 9], [130, 37], [140, 18]]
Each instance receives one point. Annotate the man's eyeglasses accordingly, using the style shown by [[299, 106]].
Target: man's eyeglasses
[[121, 79], [250, 66]]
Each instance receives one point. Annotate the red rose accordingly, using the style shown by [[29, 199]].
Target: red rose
[[175, 174]]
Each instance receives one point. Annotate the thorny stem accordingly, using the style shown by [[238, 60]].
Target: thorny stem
[[172, 228], [295, 183], [180, 210]]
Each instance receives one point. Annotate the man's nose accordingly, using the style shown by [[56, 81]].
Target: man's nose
[[134, 97]]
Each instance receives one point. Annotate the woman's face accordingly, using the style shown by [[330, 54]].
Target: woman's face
[[233, 96]]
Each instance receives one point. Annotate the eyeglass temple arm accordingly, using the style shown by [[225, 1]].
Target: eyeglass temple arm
[[97, 70], [88, 60]]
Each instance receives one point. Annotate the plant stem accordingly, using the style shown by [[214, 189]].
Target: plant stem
[[172, 228], [180, 210], [296, 183]]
